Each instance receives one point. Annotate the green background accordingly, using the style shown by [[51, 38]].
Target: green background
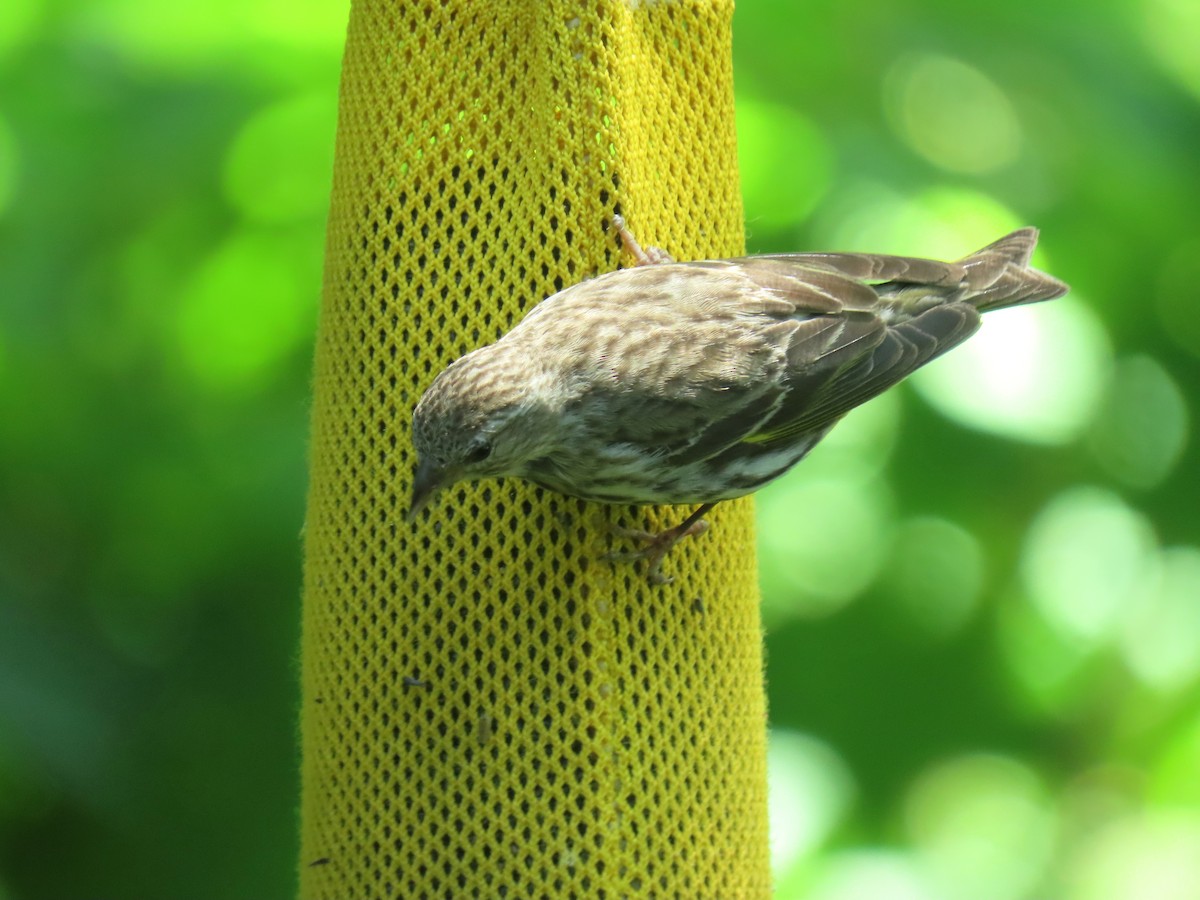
[[982, 592]]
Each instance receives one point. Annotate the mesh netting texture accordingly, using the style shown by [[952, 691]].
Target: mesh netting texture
[[490, 707]]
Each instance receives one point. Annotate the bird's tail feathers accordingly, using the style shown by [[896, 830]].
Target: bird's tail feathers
[[999, 274]]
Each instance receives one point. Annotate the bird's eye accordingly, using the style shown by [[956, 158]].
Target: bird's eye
[[479, 452]]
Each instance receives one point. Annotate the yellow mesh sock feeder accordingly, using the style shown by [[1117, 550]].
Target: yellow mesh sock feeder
[[490, 708]]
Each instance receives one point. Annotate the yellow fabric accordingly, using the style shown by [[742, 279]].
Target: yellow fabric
[[491, 708]]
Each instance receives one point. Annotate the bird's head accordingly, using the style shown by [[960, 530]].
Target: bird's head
[[482, 417]]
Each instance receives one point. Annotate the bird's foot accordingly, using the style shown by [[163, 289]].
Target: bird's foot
[[656, 545], [650, 256]]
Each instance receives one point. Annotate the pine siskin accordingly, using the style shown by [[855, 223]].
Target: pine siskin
[[697, 382]]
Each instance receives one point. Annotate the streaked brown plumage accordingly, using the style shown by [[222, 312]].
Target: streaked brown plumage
[[696, 382]]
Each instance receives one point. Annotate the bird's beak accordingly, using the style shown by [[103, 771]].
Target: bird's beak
[[428, 480]]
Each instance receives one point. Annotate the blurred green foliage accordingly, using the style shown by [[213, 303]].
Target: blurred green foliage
[[982, 593]]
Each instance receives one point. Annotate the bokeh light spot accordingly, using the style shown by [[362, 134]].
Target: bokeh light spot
[[187, 36], [275, 171], [935, 574], [942, 222], [821, 542], [1154, 856], [1172, 32], [983, 826], [1173, 780], [952, 114], [244, 310], [870, 873], [21, 18], [1142, 425], [784, 161], [1086, 555], [1032, 373], [1161, 639], [1048, 666], [810, 793]]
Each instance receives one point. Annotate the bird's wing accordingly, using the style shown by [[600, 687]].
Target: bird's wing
[[992, 277], [864, 345], [708, 355], [821, 394], [871, 267]]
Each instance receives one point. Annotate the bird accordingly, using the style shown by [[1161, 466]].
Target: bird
[[692, 383]]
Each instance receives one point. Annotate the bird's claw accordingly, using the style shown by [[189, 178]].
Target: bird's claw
[[656, 547], [650, 256]]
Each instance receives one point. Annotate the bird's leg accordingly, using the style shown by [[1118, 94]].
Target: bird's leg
[[659, 544], [651, 256]]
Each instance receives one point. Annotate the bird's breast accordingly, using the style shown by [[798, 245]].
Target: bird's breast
[[622, 473]]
